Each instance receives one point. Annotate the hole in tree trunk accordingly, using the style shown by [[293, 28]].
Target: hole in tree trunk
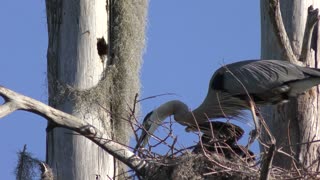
[[102, 47]]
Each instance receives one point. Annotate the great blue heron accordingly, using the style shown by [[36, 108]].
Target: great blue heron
[[233, 88]]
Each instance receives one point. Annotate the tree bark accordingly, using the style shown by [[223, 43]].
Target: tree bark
[[84, 74], [74, 65], [297, 121]]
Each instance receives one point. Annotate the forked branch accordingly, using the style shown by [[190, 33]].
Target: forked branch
[[282, 37], [312, 19], [15, 101], [280, 31]]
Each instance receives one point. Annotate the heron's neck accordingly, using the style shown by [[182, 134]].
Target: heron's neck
[[218, 105], [209, 109], [182, 113], [178, 109]]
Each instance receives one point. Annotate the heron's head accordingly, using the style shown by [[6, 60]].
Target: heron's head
[[154, 119], [147, 126]]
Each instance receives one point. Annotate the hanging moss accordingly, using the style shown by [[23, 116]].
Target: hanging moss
[[127, 40]]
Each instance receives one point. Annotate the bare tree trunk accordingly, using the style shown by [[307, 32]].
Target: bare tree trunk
[[298, 120], [93, 77]]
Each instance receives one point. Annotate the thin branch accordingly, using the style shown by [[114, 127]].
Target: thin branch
[[312, 19], [15, 101], [280, 31], [291, 150], [151, 97], [204, 149]]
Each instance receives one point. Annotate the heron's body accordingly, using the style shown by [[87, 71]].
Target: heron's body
[[266, 81], [231, 87]]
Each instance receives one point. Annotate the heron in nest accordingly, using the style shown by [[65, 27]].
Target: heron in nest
[[233, 88]]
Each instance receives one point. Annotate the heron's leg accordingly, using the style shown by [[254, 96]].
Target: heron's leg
[[254, 134]]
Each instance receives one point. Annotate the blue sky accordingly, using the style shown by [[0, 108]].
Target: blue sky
[[186, 42]]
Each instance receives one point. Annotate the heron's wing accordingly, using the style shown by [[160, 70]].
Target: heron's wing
[[255, 76]]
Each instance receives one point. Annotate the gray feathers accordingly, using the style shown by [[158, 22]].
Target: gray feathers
[[267, 80], [230, 89]]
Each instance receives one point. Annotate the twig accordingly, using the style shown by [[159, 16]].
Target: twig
[[151, 97], [15, 101], [160, 140], [291, 150], [133, 116], [203, 149]]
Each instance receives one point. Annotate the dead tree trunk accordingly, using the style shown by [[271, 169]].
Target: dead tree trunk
[[297, 121], [94, 57]]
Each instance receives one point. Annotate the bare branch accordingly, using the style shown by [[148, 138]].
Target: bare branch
[[150, 97], [280, 32], [7, 109], [312, 19], [15, 101]]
